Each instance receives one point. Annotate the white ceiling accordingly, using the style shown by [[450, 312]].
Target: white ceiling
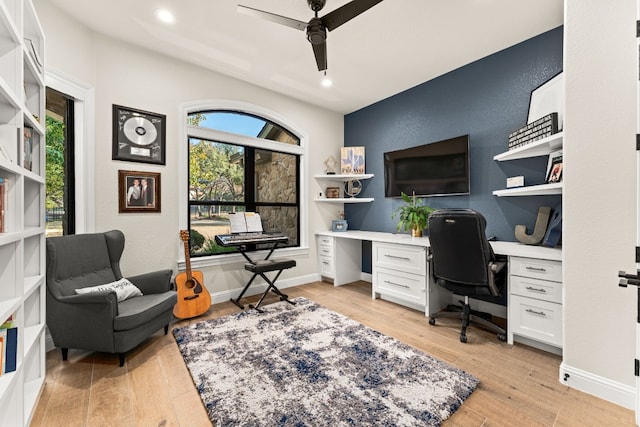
[[392, 47]]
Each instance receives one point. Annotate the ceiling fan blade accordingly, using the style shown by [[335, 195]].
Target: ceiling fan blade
[[320, 52], [283, 20], [335, 18]]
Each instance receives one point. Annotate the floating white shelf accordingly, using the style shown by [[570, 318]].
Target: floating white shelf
[[541, 147], [343, 178], [340, 177], [531, 190], [344, 200]]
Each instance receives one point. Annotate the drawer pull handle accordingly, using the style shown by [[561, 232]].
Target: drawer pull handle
[[539, 313], [325, 262], [531, 288], [398, 257], [540, 269], [396, 284]]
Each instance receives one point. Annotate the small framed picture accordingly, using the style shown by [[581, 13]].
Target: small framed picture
[[138, 191], [554, 167], [138, 136], [339, 225], [352, 160]]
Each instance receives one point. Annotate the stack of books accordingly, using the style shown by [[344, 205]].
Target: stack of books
[[541, 128], [8, 346]]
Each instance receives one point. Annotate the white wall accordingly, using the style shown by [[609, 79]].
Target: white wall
[[126, 75], [599, 221]]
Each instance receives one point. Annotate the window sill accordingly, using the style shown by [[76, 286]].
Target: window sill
[[216, 260]]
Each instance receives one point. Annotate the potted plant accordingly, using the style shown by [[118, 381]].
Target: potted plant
[[413, 215]]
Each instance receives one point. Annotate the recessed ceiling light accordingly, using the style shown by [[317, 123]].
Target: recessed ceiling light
[[165, 16]]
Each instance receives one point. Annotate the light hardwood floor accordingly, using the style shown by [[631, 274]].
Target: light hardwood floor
[[518, 384]]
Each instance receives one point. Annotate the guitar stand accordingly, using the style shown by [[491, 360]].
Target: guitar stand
[[259, 268]]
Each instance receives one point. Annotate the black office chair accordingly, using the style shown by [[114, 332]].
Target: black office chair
[[463, 262]]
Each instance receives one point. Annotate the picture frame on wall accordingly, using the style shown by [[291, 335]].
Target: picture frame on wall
[[138, 191], [138, 136]]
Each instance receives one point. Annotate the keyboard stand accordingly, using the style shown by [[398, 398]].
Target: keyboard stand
[[259, 268]]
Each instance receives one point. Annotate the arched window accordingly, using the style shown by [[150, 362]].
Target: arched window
[[240, 162]]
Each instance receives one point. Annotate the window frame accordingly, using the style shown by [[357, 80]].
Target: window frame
[[301, 150]]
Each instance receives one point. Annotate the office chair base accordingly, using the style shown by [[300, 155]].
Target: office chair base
[[466, 315]]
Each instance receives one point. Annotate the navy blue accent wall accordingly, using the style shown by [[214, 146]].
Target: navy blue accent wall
[[487, 99]]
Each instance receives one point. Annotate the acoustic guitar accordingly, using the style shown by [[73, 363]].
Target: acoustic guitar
[[193, 298]]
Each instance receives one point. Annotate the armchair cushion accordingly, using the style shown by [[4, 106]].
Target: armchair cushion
[[137, 311], [123, 288]]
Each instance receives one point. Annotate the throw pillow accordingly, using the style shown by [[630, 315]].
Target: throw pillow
[[124, 289]]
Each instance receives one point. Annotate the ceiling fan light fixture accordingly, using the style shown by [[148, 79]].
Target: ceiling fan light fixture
[[165, 16], [326, 81]]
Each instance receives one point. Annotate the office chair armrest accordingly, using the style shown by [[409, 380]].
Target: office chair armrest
[[494, 268]]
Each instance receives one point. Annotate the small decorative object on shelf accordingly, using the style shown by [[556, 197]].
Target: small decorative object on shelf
[[414, 215], [541, 128], [352, 160], [539, 230], [339, 224], [332, 192], [515, 181], [28, 148], [331, 164], [3, 202], [352, 188]]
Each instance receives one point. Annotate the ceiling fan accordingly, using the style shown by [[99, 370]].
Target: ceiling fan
[[317, 27]]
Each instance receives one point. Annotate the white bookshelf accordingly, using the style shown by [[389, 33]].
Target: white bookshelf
[[542, 147], [22, 244]]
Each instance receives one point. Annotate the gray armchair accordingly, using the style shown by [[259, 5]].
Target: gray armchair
[[97, 321]]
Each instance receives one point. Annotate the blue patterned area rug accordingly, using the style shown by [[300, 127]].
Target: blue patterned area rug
[[304, 365]]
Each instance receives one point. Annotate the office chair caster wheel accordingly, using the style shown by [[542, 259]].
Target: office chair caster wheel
[[463, 338], [432, 321], [502, 337]]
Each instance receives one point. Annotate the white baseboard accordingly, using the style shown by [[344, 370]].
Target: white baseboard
[[604, 388]]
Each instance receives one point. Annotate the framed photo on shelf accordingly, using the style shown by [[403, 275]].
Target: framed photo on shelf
[[138, 191], [546, 99], [352, 160], [554, 167], [138, 136]]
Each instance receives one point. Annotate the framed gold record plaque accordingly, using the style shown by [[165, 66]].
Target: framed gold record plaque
[[138, 136]]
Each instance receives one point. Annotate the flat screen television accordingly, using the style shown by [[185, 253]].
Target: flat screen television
[[436, 169]]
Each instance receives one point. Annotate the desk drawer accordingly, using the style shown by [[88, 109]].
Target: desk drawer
[[535, 288], [326, 266], [536, 268], [539, 320], [405, 258], [325, 251], [404, 286], [325, 240]]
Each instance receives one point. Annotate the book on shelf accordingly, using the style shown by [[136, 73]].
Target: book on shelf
[[9, 346], [28, 148]]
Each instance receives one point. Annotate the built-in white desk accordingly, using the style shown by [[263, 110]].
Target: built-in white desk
[[400, 273]]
